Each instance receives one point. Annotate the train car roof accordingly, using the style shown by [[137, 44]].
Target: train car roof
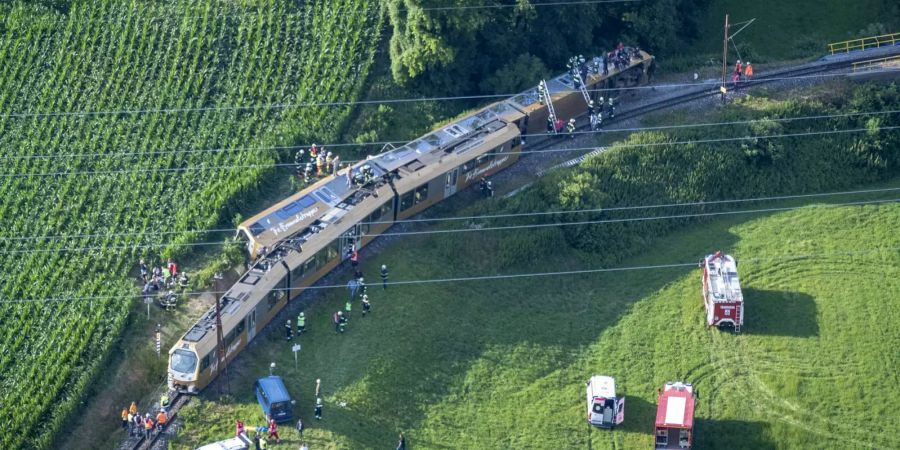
[[302, 209]]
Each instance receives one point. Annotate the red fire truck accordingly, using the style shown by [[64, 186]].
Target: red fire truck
[[675, 416], [722, 292]]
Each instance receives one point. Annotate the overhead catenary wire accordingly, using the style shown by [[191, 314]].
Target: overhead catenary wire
[[550, 150], [350, 12], [282, 106], [486, 216], [403, 142], [472, 229], [676, 265]]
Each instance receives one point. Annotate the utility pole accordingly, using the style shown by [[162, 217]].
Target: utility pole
[[723, 89], [217, 279]]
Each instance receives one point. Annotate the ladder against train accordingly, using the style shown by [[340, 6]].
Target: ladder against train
[[545, 94], [576, 75]]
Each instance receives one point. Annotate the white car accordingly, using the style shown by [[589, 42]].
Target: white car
[[604, 408]]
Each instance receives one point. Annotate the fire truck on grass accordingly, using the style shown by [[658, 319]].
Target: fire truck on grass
[[722, 292], [675, 416], [604, 409]]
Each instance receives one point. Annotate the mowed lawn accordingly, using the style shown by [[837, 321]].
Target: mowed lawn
[[502, 364]]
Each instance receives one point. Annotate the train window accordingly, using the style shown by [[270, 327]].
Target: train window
[[516, 141], [204, 363], [500, 149], [375, 216], [364, 227], [321, 258], [406, 201], [297, 273], [309, 266], [421, 193], [333, 250], [386, 210]]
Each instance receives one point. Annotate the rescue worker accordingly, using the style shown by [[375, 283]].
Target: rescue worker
[[570, 128], [541, 95], [550, 125], [301, 323], [738, 68], [490, 193], [238, 428], [558, 126], [300, 427], [130, 424], [307, 173], [401, 444], [137, 425], [343, 321], [365, 304], [347, 307], [590, 108], [329, 158], [318, 408], [384, 276], [125, 415], [483, 186], [148, 426], [273, 430], [748, 70], [353, 286], [335, 164], [354, 258], [313, 153], [594, 122], [164, 400], [133, 408], [288, 330], [612, 108], [320, 163], [161, 419]]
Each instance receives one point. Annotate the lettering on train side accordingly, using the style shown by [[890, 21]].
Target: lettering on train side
[[493, 165]]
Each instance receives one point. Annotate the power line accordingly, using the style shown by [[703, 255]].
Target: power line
[[788, 257], [382, 143], [351, 12], [283, 106], [469, 230], [486, 216], [551, 150]]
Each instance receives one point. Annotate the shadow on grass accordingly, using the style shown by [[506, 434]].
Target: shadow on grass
[[732, 434], [422, 340], [780, 313]]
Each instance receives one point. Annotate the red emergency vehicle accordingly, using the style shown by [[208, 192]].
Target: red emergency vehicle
[[722, 292], [675, 416]]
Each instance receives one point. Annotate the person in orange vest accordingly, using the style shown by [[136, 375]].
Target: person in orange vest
[[273, 430], [148, 425], [748, 70], [354, 258], [161, 419], [133, 408], [124, 418], [738, 68]]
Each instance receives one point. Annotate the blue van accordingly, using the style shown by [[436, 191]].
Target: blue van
[[274, 399]]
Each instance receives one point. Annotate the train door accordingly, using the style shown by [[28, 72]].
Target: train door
[[251, 325], [350, 241], [450, 183]]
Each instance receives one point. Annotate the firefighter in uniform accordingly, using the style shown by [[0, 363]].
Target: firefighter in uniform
[[612, 108], [288, 330], [367, 307], [347, 307], [384, 276], [318, 408], [570, 128], [301, 323], [328, 160]]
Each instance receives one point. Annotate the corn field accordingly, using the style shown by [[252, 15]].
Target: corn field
[[124, 124]]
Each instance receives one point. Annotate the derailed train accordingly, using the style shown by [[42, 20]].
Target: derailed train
[[300, 239]]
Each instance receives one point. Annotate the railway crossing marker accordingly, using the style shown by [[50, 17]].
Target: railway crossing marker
[[158, 341], [295, 349]]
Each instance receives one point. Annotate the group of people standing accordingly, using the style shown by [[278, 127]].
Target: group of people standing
[[161, 278], [137, 425], [741, 72], [321, 163]]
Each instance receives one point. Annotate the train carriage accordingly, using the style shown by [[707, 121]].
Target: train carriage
[[297, 241]]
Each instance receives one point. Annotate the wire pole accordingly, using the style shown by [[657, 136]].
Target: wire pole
[[217, 278], [724, 60]]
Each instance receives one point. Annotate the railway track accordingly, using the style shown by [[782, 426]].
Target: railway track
[[158, 439], [142, 442]]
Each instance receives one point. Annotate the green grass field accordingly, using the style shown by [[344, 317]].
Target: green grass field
[[502, 364], [794, 29], [126, 125]]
